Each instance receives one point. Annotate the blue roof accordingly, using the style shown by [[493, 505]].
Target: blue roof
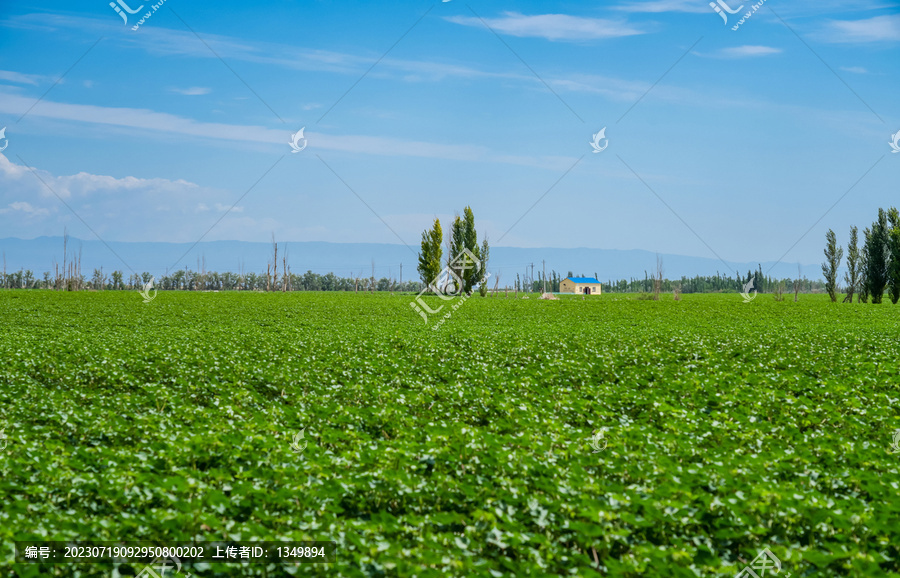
[[583, 279]]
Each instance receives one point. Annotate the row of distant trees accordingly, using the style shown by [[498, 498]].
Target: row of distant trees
[[186, 280], [871, 271], [718, 283]]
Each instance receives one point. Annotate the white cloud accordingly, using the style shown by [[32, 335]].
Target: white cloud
[[82, 185], [168, 123], [747, 51], [20, 78], [877, 29], [551, 26], [24, 207], [115, 208], [169, 42], [193, 91], [655, 6], [222, 208], [855, 69]]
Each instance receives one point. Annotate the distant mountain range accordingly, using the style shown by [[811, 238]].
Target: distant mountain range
[[355, 259]]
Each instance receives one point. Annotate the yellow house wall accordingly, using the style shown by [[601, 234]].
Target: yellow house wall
[[566, 286]]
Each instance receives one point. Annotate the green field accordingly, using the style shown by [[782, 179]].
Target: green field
[[729, 427]]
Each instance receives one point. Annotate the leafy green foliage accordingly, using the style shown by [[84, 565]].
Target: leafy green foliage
[[893, 240], [430, 254], [877, 251], [851, 276], [833, 255], [731, 427]]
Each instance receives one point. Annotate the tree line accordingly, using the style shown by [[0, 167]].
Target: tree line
[[873, 270], [187, 280], [718, 283]]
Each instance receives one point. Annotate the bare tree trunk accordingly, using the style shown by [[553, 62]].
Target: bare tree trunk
[[65, 245], [268, 276], [275, 245], [657, 279]]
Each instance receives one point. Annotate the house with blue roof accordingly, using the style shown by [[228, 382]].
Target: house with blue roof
[[582, 285]]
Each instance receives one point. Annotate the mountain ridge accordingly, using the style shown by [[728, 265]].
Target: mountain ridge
[[355, 259]]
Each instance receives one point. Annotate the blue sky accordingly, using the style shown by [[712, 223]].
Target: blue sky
[[720, 142]]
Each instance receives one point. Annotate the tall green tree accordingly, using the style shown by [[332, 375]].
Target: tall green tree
[[473, 275], [893, 240], [851, 277], [877, 254], [484, 255], [469, 267], [833, 256], [863, 296], [455, 245], [430, 254]]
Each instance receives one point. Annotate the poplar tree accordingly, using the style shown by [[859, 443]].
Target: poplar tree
[[863, 296], [482, 271], [833, 255], [893, 239], [877, 254], [430, 256], [851, 277]]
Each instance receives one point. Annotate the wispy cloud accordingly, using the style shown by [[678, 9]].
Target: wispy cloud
[[745, 51], [877, 29], [552, 26], [193, 91], [168, 123], [656, 6], [18, 77], [169, 42], [218, 207], [855, 69]]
